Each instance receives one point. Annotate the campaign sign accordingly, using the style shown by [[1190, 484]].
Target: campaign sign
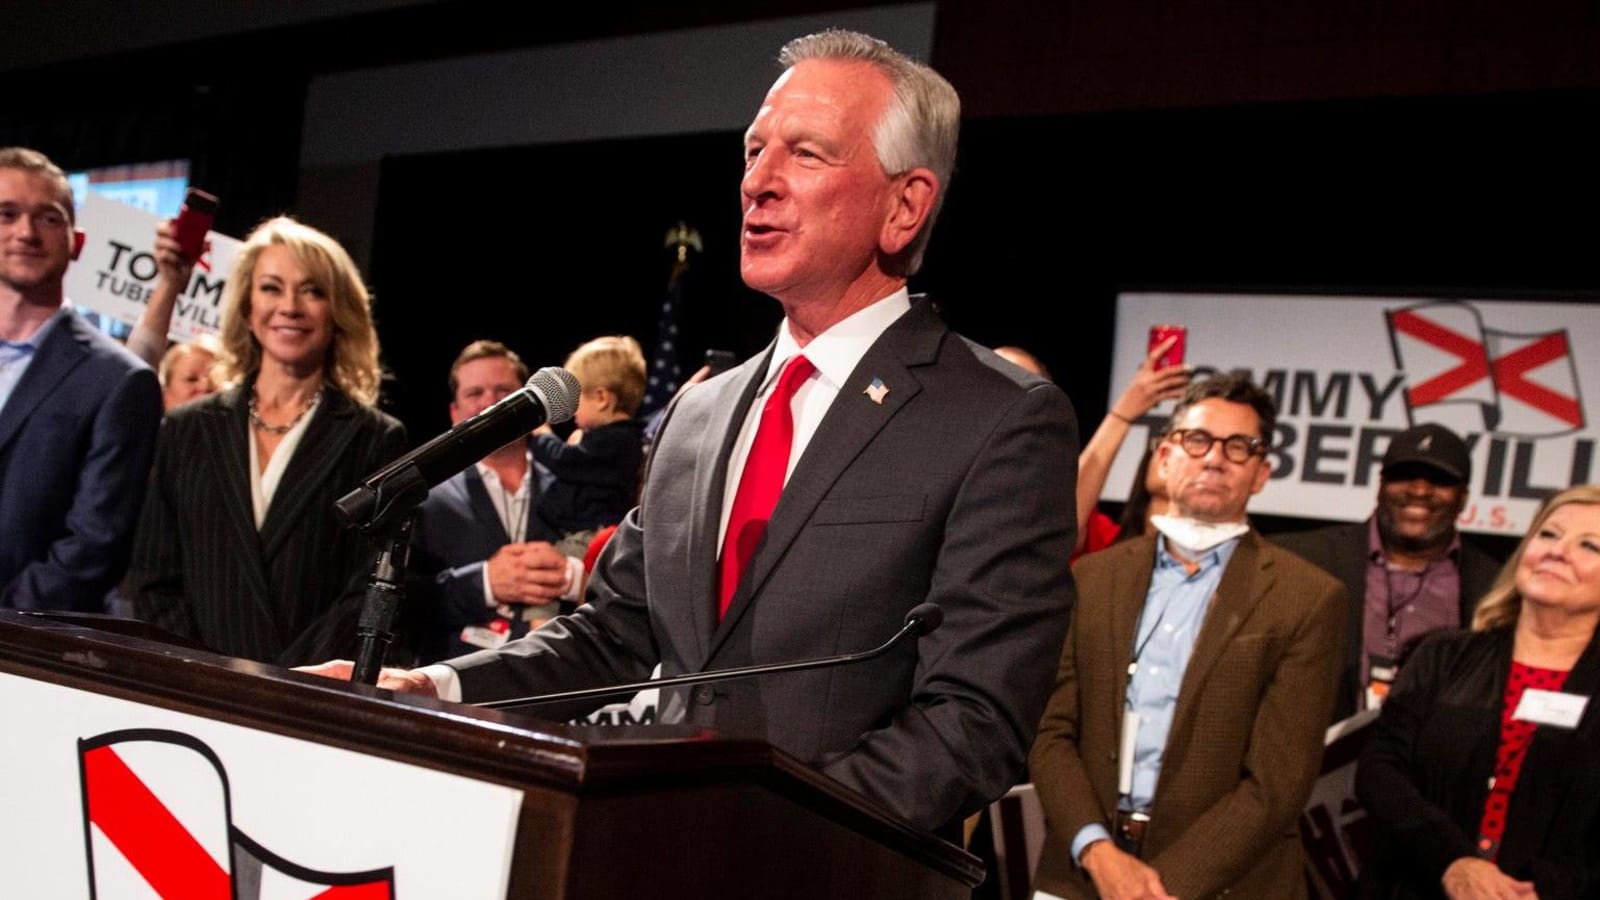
[[1350, 372], [116, 272], [107, 798]]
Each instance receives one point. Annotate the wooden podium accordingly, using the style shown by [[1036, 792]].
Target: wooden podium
[[605, 812]]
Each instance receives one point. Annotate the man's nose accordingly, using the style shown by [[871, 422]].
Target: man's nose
[[25, 227], [761, 176]]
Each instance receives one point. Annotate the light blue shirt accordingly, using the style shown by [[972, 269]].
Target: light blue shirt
[[17, 356], [1174, 610]]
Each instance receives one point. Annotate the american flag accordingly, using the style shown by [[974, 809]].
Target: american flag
[[666, 365]]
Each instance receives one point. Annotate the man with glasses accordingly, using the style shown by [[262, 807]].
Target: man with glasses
[[1186, 726]]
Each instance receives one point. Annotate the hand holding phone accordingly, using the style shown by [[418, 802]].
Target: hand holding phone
[[194, 220], [1159, 334]]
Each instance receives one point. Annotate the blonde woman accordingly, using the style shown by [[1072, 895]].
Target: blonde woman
[[238, 546], [1482, 773]]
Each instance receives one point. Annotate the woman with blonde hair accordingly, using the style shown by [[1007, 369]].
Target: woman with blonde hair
[[1481, 773], [238, 546]]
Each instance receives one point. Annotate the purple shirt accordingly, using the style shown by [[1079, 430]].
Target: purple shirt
[[1404, 606]]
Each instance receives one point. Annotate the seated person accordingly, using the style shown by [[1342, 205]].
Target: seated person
[[1480, 774], [595, 473]]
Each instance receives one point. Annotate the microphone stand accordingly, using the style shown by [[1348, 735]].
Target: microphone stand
[[380, 606], [913, 625]]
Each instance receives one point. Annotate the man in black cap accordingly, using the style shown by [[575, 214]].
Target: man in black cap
[[1405, 568]]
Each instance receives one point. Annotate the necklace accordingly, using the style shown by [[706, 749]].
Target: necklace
[[260, 424]]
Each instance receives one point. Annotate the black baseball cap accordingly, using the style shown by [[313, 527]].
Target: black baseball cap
[[1432, 446]]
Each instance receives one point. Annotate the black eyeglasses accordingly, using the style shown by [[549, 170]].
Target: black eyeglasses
[[1236, 447]]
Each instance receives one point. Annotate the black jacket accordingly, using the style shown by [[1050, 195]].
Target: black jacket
[[1424, 774]]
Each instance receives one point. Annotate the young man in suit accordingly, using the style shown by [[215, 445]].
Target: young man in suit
[[491, 566], [1405, 569], [914, 467], [1186, 726], [78, 412]]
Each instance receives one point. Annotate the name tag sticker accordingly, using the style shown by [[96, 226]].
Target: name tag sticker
[[1550, 708]]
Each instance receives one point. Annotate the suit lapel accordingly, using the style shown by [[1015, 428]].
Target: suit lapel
[[330, 430], [1247, 578], [711, 475], [64, 348], [846, 429], [1130, 585], [225, 430]]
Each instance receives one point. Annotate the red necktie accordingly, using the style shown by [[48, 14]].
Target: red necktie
[[762, 479]]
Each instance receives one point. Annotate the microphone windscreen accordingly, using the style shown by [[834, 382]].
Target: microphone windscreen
[[558, 390], [929, 615]]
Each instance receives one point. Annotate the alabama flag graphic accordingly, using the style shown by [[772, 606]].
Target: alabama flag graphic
[[157, 821], [1471, 377]]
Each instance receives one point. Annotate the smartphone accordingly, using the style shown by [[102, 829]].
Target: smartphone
[[194, 220], [721, 360], [1174, 354]]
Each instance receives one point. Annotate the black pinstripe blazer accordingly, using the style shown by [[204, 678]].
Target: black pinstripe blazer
[[288, 594]]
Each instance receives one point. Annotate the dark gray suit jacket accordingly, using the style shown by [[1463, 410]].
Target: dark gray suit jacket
[[1341, 551], [288, 594], [956, 489], [76, 439]]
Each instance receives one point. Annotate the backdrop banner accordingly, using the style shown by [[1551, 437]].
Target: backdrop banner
[[1349, 372], [116, 272]]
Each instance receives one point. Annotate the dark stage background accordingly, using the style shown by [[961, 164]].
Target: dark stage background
[[1047, 218]]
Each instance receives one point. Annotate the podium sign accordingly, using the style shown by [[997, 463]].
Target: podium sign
[[131, 766], [121, 795]]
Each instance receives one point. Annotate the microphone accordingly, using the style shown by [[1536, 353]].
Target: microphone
[[921, 620], [551, 395]]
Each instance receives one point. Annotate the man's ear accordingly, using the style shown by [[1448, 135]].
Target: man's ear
[[78, 237], [913, 196]]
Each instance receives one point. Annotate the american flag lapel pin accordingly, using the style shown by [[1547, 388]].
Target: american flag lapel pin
[[877, 390]]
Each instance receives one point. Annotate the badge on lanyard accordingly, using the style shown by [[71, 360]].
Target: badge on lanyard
[[489, 635], [1381, 672]]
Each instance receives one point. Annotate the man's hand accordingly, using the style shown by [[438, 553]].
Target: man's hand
[[401, 681], [1469, 878], [533, 573], [1121, 876]]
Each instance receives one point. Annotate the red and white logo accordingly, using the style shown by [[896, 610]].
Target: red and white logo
[[157, 821], [1473, 378]]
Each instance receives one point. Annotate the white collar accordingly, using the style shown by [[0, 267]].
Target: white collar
[[836, 352]]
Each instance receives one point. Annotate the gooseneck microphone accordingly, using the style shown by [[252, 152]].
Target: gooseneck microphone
[[551, 395], [922, 620]]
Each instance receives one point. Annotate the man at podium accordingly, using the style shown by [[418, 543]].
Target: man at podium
[[869, 461]]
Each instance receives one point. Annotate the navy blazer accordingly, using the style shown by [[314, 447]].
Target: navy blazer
[[457, 531], [1423, 776], [950, 482], [76, 440]]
